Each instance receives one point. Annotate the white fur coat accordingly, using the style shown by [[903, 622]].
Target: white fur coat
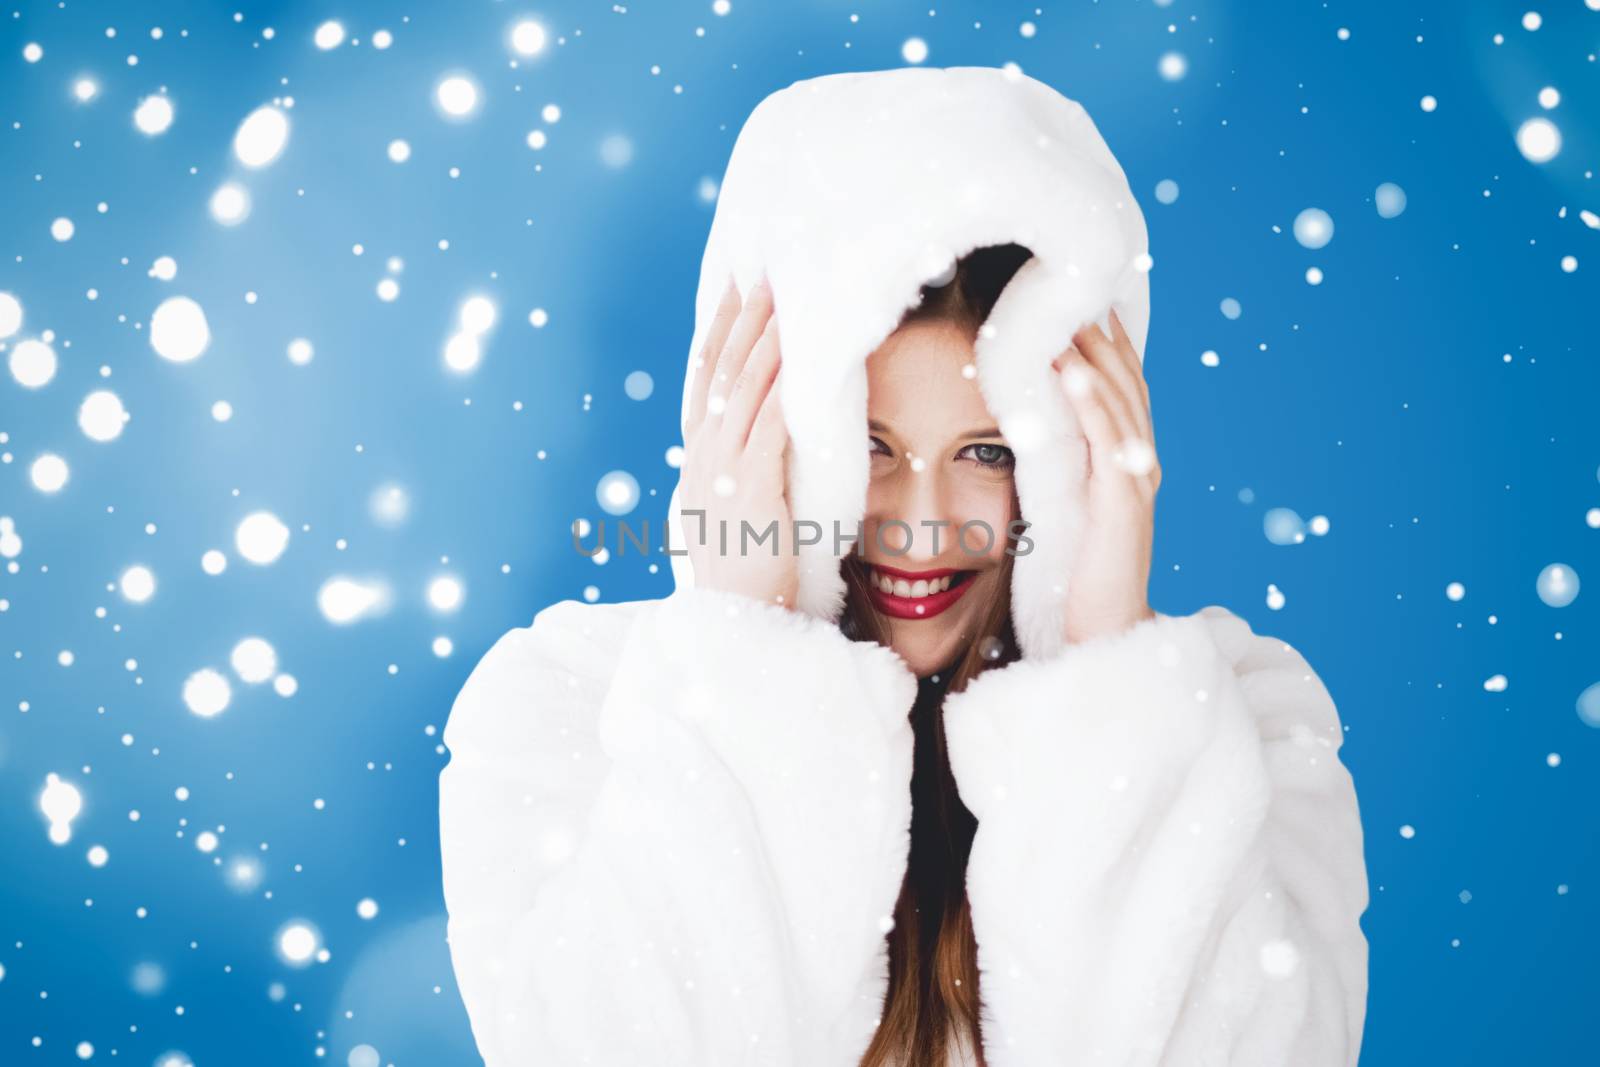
[[673, 832]]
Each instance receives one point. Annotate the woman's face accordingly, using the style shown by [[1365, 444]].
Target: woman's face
[[938, 464]]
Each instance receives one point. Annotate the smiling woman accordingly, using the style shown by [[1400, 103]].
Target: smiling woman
[[931, 575], [815, 810]]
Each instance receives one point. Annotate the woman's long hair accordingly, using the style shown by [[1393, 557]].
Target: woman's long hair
[[933, 955]]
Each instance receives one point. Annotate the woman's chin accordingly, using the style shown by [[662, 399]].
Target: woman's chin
[[929, 645], [920, 661]]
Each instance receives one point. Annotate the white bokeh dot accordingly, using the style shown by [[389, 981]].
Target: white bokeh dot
[[153, 115], [1539, 140], [457, 95]]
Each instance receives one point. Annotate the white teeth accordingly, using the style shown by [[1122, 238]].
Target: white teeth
[[902, 588]]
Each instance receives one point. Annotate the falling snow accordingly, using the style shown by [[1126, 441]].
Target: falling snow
[[323, 336]]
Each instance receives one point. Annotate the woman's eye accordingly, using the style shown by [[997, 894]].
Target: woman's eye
[[878, 448], [998, 457]]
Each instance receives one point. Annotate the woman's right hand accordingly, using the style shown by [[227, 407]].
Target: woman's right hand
[[734, 445]]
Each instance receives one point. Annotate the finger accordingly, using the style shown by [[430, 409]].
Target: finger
[[1119, 363], [1108, 355], [746, 330], [1078, 384], [1124, 343], [1133, 455], [1092, 398], [705, 363], [1130, 356], [1141, 407], [769, 434], [750, 389], [1092, 347], [1113, 362]]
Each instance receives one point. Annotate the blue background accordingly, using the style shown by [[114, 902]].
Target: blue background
[[1435, 398]]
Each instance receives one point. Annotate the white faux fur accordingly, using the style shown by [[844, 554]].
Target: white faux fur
[[670, 832], [1168, 866], [850, 191]]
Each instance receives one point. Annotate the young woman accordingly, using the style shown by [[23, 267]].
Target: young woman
[[933, 788]]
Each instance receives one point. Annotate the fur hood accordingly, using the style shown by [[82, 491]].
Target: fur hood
[[851, 191]]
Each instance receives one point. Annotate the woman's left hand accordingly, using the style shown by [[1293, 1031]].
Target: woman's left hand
[[1109, 584]]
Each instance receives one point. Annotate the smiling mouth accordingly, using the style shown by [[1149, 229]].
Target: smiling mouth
[[915, 594]]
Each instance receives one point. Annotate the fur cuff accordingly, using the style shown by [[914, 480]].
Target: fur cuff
[[1109, 719], [1120, 788], [814, 728]]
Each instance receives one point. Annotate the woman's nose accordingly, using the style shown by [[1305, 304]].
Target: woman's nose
[[913, 517]]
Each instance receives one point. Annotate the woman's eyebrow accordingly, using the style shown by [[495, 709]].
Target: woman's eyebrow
[[988, 431]]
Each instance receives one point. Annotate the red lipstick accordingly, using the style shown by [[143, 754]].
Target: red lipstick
[[919, 607]]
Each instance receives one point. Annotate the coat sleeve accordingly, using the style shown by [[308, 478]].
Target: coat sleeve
[[1168, 866], [670, 834]]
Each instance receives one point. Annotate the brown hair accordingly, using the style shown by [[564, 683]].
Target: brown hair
[[933, 954]]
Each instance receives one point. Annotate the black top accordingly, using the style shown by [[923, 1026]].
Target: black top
[[941, 826]]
